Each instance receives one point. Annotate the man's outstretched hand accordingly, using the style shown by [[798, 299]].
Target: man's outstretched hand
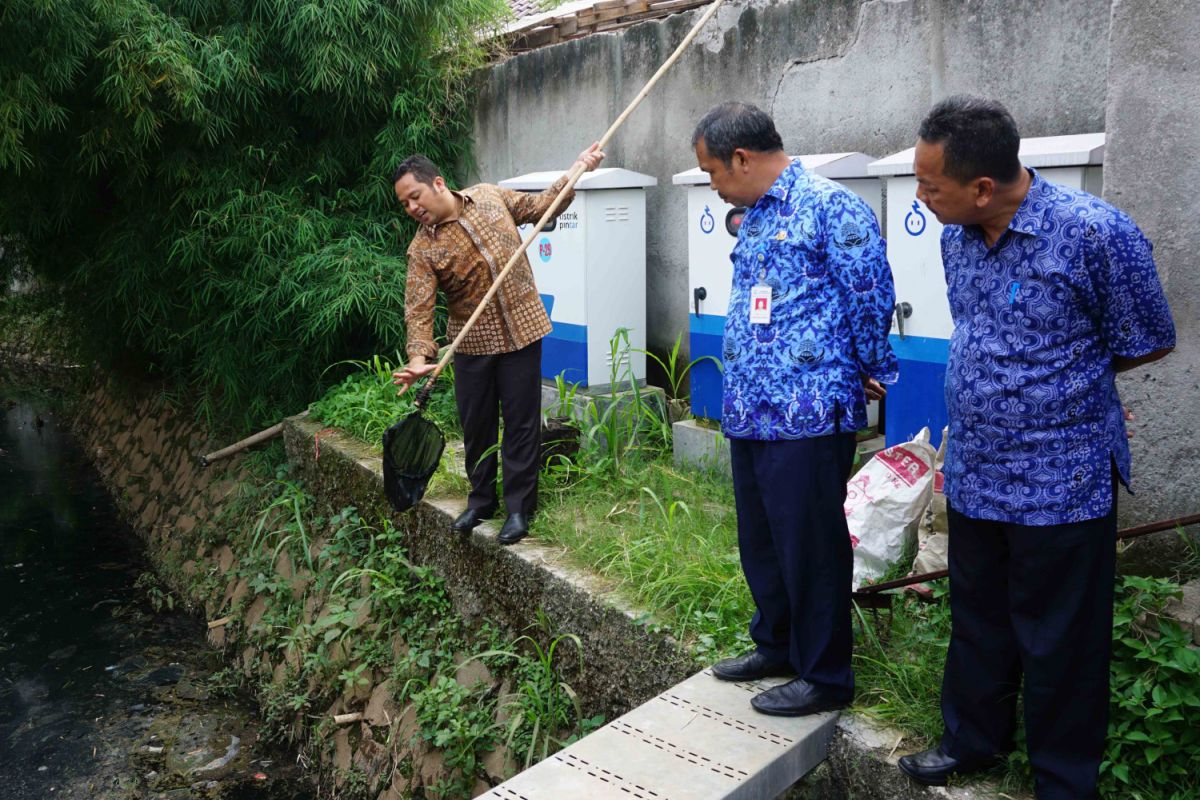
[[413, 372], [591, 157]]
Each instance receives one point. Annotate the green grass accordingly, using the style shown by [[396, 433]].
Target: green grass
[[668, 541], [365, 404], [898, 658]]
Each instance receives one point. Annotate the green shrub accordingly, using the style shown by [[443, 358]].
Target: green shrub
[[1153, 737]]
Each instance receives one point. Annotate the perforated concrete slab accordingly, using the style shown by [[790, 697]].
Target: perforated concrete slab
[[698, 740]]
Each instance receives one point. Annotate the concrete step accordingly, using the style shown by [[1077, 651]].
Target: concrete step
[[698, 740]]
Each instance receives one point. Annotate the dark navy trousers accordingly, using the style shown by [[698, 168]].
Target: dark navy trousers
[[1033, 602], [484, 388], [795, 551]]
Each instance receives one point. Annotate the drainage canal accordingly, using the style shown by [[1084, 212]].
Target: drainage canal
[[105, 690]]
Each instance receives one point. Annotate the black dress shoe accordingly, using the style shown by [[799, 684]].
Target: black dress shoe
[[516, 528], [467, 520], [799, 698], [932, 767], [750, 667]]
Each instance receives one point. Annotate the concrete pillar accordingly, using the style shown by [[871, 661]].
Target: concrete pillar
[[1151, 171]]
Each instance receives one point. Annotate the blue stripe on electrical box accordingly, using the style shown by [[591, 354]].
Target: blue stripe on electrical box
[[564, 352], [917, 400], [921, 348], [707, 382], [709, 324], [568, 331]]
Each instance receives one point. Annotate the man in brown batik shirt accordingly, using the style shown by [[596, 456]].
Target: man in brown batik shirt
[[464, 241]]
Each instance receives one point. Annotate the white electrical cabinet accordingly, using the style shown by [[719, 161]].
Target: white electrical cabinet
[[712, 232], [921, 326], [590, 268]]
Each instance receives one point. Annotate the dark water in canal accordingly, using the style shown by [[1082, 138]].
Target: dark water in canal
[[102, 696]]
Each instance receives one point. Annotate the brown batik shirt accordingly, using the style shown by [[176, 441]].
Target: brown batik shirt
[[464, 257]]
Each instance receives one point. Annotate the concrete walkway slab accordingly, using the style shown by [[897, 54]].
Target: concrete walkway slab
[[698, 740]]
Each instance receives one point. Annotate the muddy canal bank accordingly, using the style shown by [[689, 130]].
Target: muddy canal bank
[[105, 690]]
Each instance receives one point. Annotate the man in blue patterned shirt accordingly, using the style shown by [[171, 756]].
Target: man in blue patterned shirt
[[1052, 292], [805, 340]]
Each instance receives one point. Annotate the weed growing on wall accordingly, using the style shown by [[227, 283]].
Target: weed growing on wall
[[1153, 739], [335, 608]]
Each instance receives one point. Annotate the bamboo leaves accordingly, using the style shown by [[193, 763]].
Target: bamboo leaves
[[210, 178]]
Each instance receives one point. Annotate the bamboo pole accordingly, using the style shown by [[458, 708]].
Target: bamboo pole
[[249, 441]]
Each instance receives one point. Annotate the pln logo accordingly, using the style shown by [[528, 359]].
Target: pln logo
[[544, 249], [914, 221]]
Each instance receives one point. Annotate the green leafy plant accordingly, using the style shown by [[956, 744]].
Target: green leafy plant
[[460, 723], [159, 597], [365, 404], [1153, 740], [674, 368], [565, 394], [545, 714]]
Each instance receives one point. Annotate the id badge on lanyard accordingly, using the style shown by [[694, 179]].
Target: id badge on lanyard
[[760, 301]]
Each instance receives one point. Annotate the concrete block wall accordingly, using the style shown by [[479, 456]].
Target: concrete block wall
[[146, 454]]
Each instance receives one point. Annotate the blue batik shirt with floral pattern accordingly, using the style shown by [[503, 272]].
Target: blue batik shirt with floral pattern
[[1035, 423], [817, 245]]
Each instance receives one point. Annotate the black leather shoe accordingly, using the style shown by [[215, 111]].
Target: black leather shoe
[[750, 667], [467, 520], [516, 528], [933, 767], [799, 698]]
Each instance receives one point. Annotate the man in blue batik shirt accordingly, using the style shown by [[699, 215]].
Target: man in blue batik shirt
[[805, 341], [1052, 292]]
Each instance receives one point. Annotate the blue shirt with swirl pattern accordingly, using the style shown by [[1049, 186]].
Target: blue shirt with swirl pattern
[[800, 375], [1036, 426]]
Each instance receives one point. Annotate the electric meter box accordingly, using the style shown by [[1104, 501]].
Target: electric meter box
[[712, 233], [921, 325], [590, 268]]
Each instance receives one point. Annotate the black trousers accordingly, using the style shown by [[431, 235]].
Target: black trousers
[[1032, 601], [483, 387], [795, 551]]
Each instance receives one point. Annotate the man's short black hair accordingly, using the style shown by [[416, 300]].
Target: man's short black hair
[[732, 125], [979, 139], [419, 167]]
